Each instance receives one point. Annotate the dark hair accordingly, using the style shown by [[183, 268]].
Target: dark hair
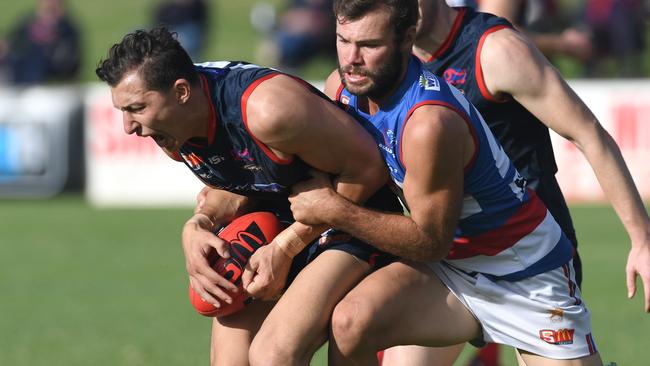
[[156, 54], [403, 13]]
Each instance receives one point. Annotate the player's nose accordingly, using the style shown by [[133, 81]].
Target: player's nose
[[354, 55], [130, 125]]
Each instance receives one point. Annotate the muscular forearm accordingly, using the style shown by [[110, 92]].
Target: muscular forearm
[[615, 179], [393, 233], [221, 207], [296, 237]]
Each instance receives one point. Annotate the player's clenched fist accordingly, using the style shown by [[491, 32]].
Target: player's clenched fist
[[311, 199]]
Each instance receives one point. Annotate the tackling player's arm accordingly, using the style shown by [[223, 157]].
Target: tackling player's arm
[[436, 146], [215, 208], [511, 65], [292, 121]]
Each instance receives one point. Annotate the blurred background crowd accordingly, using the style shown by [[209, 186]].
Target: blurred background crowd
[[58, 40]]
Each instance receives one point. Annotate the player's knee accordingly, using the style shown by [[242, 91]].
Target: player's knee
[[352, 325], [269, 350]]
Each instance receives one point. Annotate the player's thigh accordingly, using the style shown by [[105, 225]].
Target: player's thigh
[[301, 316], [405, 303], [422, 356], [232, 335], [529, 359]]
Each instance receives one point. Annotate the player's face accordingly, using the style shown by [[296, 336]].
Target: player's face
[[149, 113], [370, 61]]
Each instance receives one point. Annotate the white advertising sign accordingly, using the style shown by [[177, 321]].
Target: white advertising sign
[[127, 170], [623, 108]]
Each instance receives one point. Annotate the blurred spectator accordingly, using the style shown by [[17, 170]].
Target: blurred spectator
[[306, 29], [189, 19], [459, 3], [540, 19], [619, 29], [4, 51], [43, 47]]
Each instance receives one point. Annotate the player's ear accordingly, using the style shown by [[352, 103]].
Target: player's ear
[[409, 38], [182, 90]]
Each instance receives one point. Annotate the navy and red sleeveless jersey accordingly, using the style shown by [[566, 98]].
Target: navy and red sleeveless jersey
[[524, 138], [232, 158]]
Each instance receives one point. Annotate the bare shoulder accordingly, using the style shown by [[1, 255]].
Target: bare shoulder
[[431, 123], [506, 47], [275, 108], [510, 62]]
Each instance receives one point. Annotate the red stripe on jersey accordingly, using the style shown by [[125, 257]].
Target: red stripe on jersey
[[338, 92], [479, 70], [453, 108], [455, 28], [522, 223], [244, 100]]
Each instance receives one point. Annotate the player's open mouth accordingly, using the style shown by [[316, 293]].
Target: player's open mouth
[[160, 140], [355, 78]]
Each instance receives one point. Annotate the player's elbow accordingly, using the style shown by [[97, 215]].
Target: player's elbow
[[433, 249]]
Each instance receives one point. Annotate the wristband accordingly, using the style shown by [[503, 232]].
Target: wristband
[[289, 242]]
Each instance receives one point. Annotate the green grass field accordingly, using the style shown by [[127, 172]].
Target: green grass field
[[81, 286]]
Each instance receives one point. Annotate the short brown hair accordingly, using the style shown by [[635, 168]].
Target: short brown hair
[[156, 54], [403, 13]]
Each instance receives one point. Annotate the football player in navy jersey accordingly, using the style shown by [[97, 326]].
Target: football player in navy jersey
[[487, 270], [250, 133], [521, 96]]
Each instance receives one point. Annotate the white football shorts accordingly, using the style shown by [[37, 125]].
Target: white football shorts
[[543, 314]]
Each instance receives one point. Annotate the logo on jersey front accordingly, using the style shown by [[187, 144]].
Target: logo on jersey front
[[217, 159], [193, 160], [268, 187], [557, 337], [253, 167], [455, 77], [557, 315], [429, 81], [242, 155]]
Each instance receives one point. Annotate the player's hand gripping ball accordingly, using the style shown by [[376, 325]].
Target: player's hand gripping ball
[[245, 234]]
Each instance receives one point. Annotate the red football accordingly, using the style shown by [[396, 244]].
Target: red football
[[245, 234]]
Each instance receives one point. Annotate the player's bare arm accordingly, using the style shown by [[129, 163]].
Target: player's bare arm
[[430, 144], [217, 208], [291, 121], [513, 66]]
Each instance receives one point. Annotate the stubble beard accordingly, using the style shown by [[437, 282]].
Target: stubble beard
[[380, 82]]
